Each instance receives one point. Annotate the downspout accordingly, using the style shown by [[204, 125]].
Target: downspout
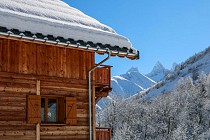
[[90, 92]]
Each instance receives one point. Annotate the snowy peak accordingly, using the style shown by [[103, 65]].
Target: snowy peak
[[158, 68], [130, 82], [158, 72], [174, 66], [124, 87], [133, 69]]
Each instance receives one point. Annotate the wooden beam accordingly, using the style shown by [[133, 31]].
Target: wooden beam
[[38, 125], [38, 131], [97, 99], [102, 94], [43, 43], [38, 87]]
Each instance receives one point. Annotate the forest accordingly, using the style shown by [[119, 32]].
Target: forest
[[183, 113]]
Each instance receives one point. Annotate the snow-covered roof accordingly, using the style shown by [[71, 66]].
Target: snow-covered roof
[[58, 19]]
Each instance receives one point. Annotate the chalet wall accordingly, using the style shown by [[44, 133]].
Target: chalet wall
[[61, 71], [68, 89], [40, 59], [14, 89], [13, 92]]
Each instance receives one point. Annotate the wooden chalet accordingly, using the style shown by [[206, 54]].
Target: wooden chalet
[[44, 82]]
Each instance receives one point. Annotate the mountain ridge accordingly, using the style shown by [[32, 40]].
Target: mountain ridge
[[129, 83], [158, 72], [192, 67]]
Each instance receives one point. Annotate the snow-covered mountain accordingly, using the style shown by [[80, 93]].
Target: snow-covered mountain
[[126, 85], [174, 66], [130, 83], [158, 72], [192, 67]]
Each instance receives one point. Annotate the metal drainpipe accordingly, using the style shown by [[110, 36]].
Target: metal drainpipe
[[90, 91]]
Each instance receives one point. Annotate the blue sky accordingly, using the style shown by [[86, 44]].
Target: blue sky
[[162, 30]]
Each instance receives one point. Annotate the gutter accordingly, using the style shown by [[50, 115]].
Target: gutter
[[90, 92], [69, 44]]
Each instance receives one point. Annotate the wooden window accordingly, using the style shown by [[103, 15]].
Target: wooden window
[[51, 110]]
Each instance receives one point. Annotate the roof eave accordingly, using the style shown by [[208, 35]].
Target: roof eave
[[88, 47]]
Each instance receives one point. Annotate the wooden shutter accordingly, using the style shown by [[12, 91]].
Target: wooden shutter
[[61, 110], [71, 111], [34, 109]]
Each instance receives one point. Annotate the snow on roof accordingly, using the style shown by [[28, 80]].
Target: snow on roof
[[54, 17]]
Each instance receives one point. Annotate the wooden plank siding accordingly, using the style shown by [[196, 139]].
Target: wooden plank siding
[[14, 89], [49, 88], [13, 93], [103, 75], [61, 71], [103, 133], [39, 59]]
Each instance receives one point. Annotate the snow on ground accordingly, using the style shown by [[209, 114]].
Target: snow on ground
[[57, 18]]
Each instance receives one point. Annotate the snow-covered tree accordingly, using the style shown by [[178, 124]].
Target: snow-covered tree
[[183, 114]]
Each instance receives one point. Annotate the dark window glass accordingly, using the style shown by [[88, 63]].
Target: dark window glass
[[42, 109], [52, 110]]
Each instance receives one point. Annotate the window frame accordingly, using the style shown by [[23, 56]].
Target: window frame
[[67, 112], [57, 109]]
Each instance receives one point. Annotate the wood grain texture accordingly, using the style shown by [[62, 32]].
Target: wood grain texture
[[40, 59], [103, 133], [34, 109], [29, 68], [13, 102], [71, 111]]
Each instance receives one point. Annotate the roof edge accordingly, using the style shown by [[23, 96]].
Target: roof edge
[[90, 46]]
